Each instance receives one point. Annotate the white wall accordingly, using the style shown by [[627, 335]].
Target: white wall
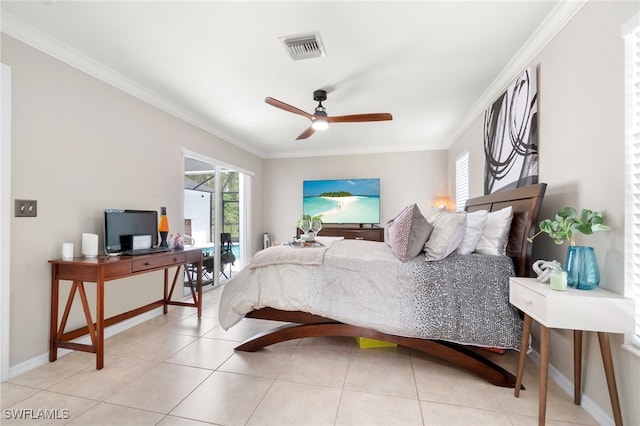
[[80, 146], [405, 178], [197, 207], [581, 124]]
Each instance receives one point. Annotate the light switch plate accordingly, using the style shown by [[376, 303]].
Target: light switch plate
[[26, 208]]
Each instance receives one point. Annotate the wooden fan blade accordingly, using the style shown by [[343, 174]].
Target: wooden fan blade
[[383, 116], [310, 130], [279, 104]]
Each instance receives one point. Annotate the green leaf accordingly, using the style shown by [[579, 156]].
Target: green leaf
[[566, 223]]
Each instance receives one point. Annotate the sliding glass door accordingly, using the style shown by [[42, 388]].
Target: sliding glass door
[[214, 215]]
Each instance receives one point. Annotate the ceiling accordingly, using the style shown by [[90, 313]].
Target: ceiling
[[434, 65]]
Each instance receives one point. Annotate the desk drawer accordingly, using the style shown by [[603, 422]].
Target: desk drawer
[[158, 261], [529, 301]]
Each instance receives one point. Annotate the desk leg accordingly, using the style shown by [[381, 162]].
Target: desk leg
[[544, 374], [605, 350], [524, 345], [100, 323], [577, 366], [167, 296], [199, 283], [53, 325]]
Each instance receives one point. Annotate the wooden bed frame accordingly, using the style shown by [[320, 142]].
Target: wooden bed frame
[[526, 202]]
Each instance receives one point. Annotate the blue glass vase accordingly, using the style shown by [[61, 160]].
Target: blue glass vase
[[582, 268]]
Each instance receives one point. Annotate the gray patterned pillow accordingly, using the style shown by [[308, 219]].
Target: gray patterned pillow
[[448, 231], [407, 232]]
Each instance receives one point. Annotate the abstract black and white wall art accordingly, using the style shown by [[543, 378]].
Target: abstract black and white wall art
[[511, 136]]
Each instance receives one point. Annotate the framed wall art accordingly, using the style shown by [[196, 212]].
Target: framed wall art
[[511, 136]]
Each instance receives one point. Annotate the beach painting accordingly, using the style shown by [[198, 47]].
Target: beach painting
[[352, 201]]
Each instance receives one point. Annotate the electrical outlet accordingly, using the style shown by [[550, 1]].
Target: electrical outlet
[[26, 208]]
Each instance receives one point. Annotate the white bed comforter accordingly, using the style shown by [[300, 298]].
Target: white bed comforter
[[362, 283]]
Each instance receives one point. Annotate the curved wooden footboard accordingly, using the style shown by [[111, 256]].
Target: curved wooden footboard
[[315, 326]]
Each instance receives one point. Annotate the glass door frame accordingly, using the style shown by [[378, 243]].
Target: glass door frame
[[245, 178]]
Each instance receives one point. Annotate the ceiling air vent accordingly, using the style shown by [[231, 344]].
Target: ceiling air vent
[[304, 46]]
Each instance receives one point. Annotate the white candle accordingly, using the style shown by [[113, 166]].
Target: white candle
[[67, 251], [89, 245]]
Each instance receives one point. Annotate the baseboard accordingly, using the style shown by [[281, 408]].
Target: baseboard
[[567, 385], [43, 359]]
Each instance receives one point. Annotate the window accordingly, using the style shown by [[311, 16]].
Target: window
[[631, 34], [462, 181]]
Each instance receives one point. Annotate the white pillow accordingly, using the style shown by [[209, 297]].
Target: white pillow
[[476, 222], [495, 235], [448, 231]]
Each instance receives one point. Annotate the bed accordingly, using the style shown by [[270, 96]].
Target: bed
[[361, 289]]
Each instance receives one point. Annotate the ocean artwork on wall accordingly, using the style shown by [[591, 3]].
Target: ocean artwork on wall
[[347, 201], [511, 136]]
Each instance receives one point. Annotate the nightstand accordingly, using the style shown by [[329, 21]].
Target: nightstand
[[596, 310]]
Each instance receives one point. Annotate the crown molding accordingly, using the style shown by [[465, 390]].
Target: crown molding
[[555, 21], [29, 35], [561, 14]]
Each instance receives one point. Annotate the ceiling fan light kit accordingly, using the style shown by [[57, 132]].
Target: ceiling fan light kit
[[320, 124], [320, 120]]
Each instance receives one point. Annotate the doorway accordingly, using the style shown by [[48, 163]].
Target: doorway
[[214, 213]]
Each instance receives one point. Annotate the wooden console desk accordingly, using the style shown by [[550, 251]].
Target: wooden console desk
[[106, 268]]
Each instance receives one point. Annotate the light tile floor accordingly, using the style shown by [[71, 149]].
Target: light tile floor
[[176, 370]]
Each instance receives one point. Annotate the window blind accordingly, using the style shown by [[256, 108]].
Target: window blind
[[462, 181], [631, 34]]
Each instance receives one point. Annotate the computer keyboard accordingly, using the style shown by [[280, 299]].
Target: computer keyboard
[[140, 252]]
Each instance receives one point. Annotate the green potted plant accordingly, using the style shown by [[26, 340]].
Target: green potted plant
[[580, 263], [567, 223]]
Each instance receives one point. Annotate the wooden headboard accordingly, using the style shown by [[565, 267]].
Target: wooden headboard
[[526, 203]]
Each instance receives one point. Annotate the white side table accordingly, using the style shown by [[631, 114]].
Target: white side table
[[596, 310]]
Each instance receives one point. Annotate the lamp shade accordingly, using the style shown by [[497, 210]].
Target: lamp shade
[[442, 203]]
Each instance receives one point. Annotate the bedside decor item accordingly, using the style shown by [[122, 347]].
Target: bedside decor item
[[545, 268], [581, 266], [580, 262], [442, 204], [558, 280], [163, 227]]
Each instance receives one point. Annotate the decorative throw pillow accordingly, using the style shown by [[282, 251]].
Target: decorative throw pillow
[[407, 232], [448, 231], [495, 235], [476, 222]]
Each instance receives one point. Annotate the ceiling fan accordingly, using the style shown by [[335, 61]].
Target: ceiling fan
[[320, 120]]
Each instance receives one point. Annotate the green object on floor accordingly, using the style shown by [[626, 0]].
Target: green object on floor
[[366, 343]]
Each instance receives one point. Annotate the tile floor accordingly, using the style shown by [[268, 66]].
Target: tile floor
[[176, 370]]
